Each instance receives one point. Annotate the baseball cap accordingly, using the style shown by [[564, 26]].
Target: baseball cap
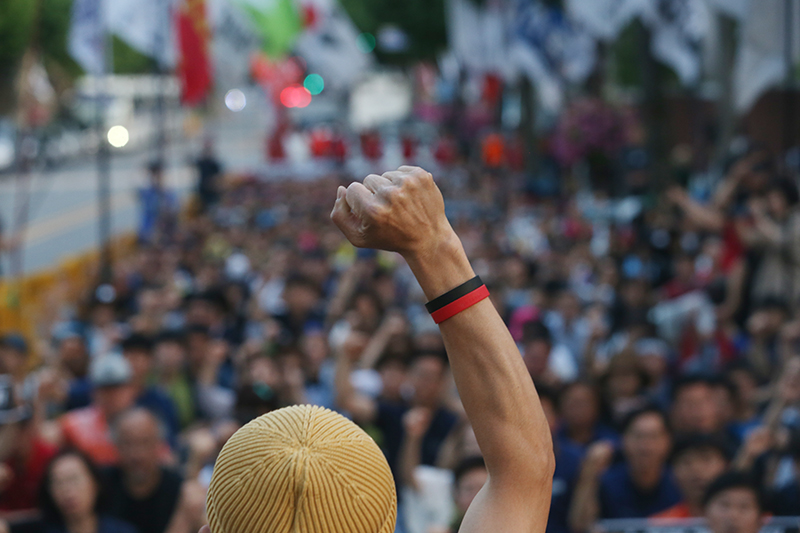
[[110, 370]]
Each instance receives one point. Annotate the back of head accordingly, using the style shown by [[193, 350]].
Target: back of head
[[301, 469]]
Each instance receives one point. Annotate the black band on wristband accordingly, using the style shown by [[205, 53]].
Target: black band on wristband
[[453, 295]]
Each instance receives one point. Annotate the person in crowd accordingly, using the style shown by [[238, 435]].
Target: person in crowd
[[579, 409], [209, 171], [427, 377], [568, 466], [73, 362], [73, 498], [158, 207], [89, 429], [697, 460], [694, 407], [138, 350], [733, 504], [141, 491], [639, 486]]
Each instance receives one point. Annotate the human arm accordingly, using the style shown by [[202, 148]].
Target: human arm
[[403, 211], [416, 422], [585, 507], [362, 408], [708, 218]]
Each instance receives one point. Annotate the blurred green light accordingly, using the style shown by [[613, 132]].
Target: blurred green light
[[314, 83], [365, 42]]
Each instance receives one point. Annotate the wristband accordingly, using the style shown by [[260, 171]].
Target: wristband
[[459, 299]]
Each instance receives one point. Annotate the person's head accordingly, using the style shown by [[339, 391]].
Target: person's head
[[537, 343], [697, 460], [155, 171], [646, 439], [71, 488], [71, 347], [569, 305], [138, 350], [625, 377], [13, 354], [732, 504], [170, 352], [138, 435], [579, 405], [394, 372], [111, 378], [470, 476], [427, 375], [694, 406], [300, 294], [206, 308]]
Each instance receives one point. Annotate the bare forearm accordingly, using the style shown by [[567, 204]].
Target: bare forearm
[[585, 508], [410, 459], [498, 394]]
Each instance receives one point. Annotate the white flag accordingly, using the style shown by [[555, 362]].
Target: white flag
[[678, 28], [233, 42], [329, 47], [86, 35], [760, 61], [145, 25], [604, 19], [478, 36]]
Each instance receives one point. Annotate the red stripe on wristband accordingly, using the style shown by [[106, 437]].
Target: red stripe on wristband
[[465, 302]]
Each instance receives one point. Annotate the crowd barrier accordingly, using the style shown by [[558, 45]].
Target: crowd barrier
[[30, 304], [778, 524]]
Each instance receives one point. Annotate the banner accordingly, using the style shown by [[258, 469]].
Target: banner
[[194, 67], [478, 35], [277, 22], [86, 41], [678, 28], [551, 50], [328, 45], [146, 26], [760, 62]]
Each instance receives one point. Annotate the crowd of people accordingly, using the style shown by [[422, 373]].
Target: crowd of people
[[660, 328]]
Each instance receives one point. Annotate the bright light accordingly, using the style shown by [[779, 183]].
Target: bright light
[[365, 42], [235, 100], [118, 136], [295, 96], [314, 83]]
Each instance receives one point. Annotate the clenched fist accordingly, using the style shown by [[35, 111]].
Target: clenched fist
[[400, 211]]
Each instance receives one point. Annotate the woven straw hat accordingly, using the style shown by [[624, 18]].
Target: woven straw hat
[[301, 469]]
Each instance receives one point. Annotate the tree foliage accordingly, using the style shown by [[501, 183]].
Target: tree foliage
[[423, 21]]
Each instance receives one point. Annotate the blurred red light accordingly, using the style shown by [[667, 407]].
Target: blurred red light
[[295, 96]]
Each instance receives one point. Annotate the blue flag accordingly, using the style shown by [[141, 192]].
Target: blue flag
[[87, 35]]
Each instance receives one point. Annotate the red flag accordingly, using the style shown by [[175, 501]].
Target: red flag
[[194, 65]]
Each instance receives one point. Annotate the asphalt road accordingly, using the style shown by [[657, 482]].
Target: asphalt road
[[63, 210]]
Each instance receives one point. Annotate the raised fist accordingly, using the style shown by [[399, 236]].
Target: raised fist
[[400, 211]]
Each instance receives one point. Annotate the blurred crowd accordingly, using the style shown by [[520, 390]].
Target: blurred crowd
[[660, 327]]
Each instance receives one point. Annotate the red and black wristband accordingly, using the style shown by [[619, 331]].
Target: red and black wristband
[[457, 300]]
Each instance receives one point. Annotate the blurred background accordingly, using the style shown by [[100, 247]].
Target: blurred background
[[623, 174]]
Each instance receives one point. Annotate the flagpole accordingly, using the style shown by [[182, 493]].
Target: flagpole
[[104, 158], [788, 94], [160, 137]]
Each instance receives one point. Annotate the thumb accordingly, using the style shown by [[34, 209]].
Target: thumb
[[345, 219]]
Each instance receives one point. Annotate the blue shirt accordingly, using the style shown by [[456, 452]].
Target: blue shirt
[[620, 498], [568, 465]]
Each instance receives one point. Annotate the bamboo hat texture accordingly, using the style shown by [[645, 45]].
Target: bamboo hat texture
[[301, 469]]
